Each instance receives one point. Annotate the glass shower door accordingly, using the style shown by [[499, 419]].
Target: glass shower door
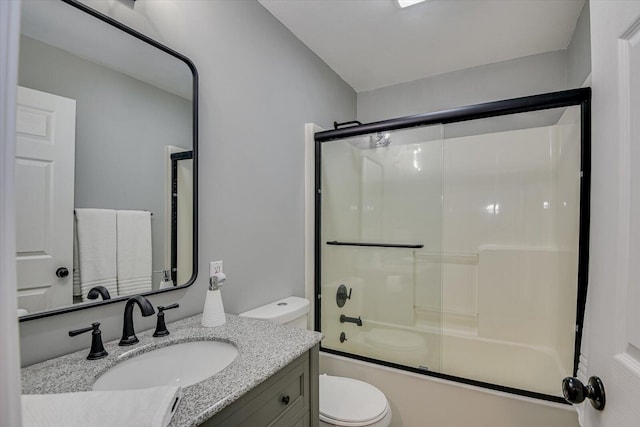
[[380, 245], [511, 197], [459, 250]]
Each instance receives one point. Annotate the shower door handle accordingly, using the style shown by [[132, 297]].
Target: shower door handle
[[377, 245]]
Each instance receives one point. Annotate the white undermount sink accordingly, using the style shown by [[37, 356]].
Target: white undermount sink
[[179, 364]]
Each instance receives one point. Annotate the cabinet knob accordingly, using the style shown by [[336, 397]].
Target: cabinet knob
[[285, 400], [62, 272]]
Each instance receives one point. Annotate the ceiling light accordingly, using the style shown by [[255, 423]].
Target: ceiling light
[[407, 3]]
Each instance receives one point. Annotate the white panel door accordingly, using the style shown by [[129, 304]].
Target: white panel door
[[45, 159], [611, 348]]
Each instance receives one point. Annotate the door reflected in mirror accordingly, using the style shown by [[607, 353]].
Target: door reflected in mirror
[[105, 152]]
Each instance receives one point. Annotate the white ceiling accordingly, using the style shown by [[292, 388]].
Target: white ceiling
[[374, 43]]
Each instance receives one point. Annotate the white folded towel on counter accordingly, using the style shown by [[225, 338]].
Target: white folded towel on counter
[[149, 407], [97, 249], [134, 251]]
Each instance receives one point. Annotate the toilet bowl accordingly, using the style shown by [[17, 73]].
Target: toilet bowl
[[344, 402], [354, 403]]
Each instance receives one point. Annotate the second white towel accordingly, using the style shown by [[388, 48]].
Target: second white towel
[[134, 251]]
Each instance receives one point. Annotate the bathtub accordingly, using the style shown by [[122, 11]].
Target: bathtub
[[503, 363], [422, 401]]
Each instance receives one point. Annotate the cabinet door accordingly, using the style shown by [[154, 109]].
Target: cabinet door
[[280, 401], [303, 422]]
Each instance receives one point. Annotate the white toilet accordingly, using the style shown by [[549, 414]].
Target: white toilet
[[343, 401]]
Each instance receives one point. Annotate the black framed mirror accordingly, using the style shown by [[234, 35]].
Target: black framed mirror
[[106, 162]]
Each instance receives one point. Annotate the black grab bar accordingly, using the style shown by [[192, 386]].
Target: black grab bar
[[376, 245]]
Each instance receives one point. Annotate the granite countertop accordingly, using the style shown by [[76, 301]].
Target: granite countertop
[[264, 348]]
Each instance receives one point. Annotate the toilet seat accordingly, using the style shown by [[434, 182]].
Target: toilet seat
[[350, 403]]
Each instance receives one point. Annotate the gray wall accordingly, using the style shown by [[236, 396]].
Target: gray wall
[[531, 75], [122, 128], [258, 86], [579, 50]]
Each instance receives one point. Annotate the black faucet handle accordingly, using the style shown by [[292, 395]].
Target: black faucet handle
[[161, 327], [97, 349], [169, 307], [83, 330]]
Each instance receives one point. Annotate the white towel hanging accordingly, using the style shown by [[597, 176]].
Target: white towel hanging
[[97, 249], [134, 251]]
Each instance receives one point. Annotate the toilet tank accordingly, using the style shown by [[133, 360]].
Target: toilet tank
[[291, 311]]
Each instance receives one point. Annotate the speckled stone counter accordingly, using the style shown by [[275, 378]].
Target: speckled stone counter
[[264, 349]]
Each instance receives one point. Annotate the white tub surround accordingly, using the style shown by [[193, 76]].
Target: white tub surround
[[264, 349]]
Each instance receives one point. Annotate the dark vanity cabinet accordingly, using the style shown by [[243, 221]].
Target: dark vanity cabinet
[[289, 398]]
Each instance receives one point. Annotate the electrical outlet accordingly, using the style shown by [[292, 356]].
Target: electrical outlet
[[215, 267]]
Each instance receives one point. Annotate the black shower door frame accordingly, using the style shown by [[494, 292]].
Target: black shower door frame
[[573, 97]]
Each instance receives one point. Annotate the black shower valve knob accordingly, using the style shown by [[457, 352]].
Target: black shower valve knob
[[342, 296]]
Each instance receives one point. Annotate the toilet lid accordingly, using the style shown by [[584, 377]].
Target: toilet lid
[[349, 402]]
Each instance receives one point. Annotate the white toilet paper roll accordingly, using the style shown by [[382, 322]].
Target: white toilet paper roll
[[213, 313]]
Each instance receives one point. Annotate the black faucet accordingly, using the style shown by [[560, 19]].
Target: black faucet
[[128, 334], [99, 291]]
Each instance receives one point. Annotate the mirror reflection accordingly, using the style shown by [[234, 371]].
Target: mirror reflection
[[104, 162]]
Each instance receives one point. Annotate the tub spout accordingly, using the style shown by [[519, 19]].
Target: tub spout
[[357, 321]]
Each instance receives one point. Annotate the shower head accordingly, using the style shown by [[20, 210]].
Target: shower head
[[380, 140], [371, 141]]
